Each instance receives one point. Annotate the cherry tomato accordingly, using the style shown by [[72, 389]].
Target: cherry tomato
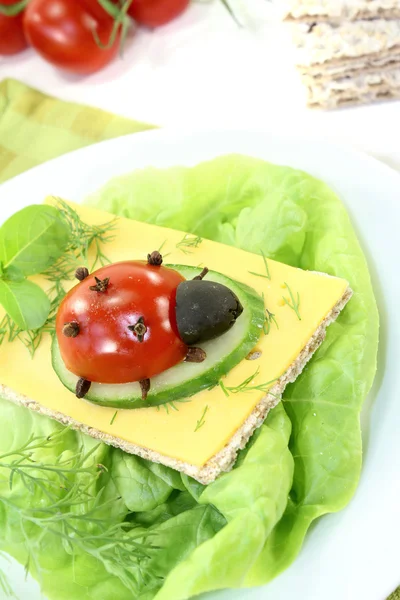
[[153, 13], [106, 349], [12, 36], [63, 33]]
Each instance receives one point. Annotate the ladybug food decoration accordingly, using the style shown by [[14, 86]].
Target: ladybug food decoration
[[132, 320]]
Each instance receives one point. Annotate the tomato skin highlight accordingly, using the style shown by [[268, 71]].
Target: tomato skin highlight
[[105, 350], [153, 13], [61, 31], [12, 36]]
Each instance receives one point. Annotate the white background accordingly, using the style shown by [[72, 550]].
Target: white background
[[203, 71]]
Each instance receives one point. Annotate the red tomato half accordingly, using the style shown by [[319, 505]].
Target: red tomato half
[[105, 349], [12, 37], [62, 31], [153, 13]]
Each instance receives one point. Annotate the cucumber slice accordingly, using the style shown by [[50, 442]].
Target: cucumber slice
[[185, 379]]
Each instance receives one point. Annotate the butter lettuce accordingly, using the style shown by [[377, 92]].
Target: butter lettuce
[[305, 461]]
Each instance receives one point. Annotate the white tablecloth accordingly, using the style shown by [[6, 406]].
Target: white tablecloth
[[203, 71]]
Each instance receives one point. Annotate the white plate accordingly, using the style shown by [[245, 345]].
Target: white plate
[[355, 553]]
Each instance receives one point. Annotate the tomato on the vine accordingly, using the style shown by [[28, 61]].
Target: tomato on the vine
[[153, 13], [75, 36], [126, 330], [12, 36]]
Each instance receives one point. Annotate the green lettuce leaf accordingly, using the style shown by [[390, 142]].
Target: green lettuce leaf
[[252, 497], [67, 571], [305, 460], [297, 219], [139, 488]]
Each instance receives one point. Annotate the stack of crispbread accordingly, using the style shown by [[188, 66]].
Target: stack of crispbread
[[347, 51]]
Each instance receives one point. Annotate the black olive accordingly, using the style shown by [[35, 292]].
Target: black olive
[[205, 310]]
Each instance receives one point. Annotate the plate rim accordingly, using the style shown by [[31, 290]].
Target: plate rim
[[155, 136]]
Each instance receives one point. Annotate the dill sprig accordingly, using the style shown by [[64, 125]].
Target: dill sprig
[[201, 421], [162, 245], [267, 274], [188, 242], [172, 405], [82, 238], [21, 462], [69, 485], [114, 417], [5, 585], [164, 255], [293, 303], [10, 331], [245, 386], [269, 319]]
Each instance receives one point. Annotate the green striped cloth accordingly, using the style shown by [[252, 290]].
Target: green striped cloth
[[35, 127]]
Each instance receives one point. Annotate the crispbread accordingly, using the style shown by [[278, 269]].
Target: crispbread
[[225, 459], [352, 67], [346, 51], [365, 87], [338, 10], [328, 43]]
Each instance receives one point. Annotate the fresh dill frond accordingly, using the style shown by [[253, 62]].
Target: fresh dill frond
[[258, 274], [201, 421], [265, 275], [170, 404], [223, 388], [82, 237], [245, 386], [188, 242], [269, 319], [293, 303], [162, 245], [10, 331], [266, 265], [74, 509]]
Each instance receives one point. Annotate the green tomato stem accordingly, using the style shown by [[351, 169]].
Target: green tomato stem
[[121, 22], [13, 10]]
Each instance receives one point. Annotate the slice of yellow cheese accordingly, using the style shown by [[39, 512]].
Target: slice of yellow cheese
[[182, 434]]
